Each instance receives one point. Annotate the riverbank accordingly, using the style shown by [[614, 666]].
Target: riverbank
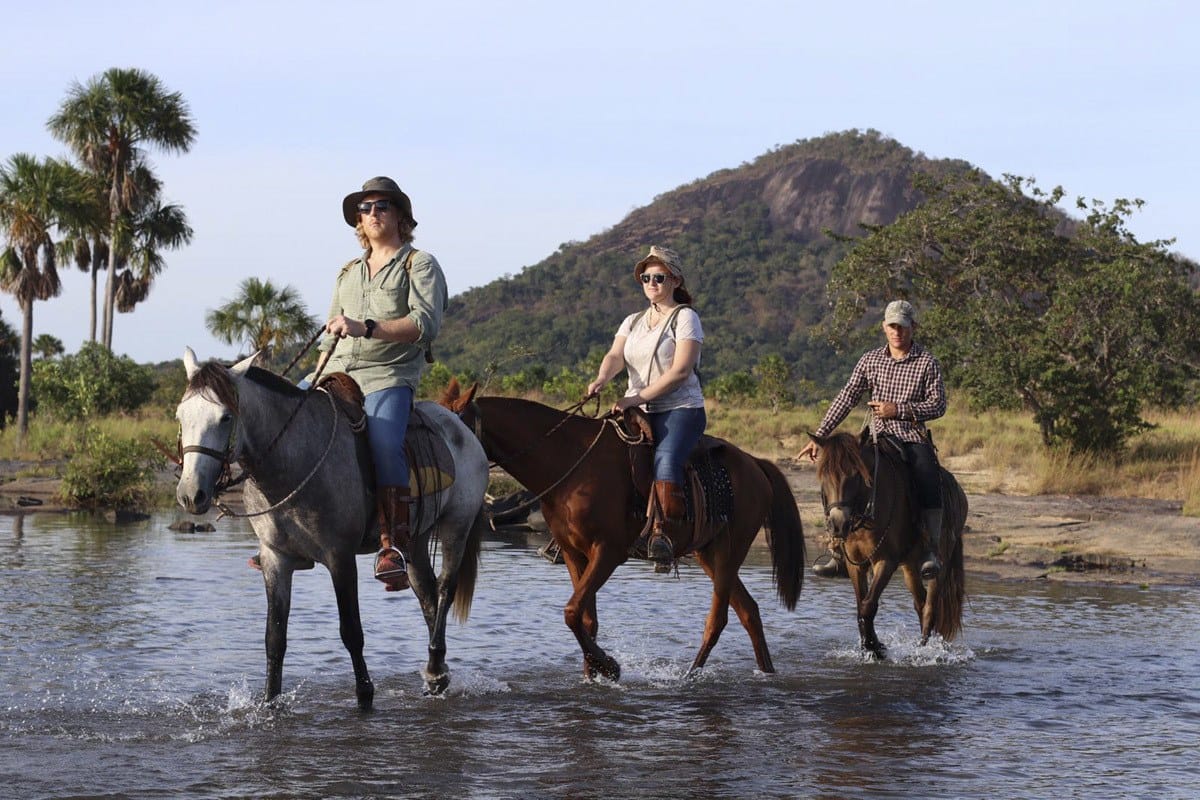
[[1065, 538]]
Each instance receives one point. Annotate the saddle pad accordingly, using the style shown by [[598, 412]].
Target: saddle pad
[[430, 466]]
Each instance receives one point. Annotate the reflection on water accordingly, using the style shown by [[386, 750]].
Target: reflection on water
[[131, 663]]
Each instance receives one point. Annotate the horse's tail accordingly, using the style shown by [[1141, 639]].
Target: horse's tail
[[468, 569], [951, 592], [785, 535]]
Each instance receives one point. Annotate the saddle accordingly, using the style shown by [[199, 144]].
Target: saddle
[[707, 488], [430, 466]]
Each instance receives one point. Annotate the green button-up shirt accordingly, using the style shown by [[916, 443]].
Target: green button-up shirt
[[418, 293]]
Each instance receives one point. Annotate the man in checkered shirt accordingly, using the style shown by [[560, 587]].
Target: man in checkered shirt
[[906, 388]]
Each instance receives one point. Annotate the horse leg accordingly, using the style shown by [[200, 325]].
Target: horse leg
[[580, 611], [435, 598], [728, 589], [436, 673], [922, 597], [278, 583], [868, 604], [344, 572]]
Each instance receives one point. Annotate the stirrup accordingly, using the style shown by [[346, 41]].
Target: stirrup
[[660, 550], [831, 567], [393, 574]]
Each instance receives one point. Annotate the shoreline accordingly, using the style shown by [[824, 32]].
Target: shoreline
[[1077, 539]]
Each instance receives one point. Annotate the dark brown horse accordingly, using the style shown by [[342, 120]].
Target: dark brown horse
[[881, 538], [580, 468]]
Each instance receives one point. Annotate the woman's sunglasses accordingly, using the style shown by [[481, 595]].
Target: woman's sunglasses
[[658, 277], [378, 205]]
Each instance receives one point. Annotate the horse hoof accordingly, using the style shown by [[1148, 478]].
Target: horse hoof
[[606, 668], [437, 686], [366, 696]]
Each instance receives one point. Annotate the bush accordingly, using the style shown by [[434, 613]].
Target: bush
[[90, 383], [108, 472]]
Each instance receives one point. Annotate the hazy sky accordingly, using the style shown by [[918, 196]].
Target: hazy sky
[[518, 126]]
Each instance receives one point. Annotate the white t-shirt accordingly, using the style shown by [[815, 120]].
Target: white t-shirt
[[644, 368]]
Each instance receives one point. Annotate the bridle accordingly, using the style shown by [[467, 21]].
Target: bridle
[[228, 457], [858, 519]]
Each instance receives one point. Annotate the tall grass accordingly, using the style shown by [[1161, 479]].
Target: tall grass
[[53, 440], [990, 452], [1002, 451]]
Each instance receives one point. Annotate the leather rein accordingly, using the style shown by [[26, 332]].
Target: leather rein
[[568, 413]]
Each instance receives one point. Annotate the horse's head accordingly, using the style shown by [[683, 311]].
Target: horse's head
[[209, 435], [845, 481]]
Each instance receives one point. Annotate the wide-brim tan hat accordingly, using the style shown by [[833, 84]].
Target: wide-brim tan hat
[[380, 185], [661, 255]]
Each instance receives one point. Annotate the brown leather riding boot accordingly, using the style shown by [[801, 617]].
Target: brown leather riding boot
[[391, 567], [673, 510]]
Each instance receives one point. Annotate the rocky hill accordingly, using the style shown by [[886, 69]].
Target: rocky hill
[[754, 244]]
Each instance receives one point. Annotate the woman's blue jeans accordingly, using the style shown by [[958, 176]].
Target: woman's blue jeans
[[387, 422], [676, 433]]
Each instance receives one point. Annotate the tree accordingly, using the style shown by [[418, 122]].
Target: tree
[[107, 123], [36, 198], [47, 346], [774, 378], [1075, 321], [262, 317], [91, 383]]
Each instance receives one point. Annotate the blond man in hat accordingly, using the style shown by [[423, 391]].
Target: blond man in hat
[[906, 387], [386, 311]]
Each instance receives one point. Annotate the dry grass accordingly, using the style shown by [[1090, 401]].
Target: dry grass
[[1002, 452], [49, 440]]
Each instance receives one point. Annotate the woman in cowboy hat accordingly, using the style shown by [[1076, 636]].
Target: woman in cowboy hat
[[659, 347]]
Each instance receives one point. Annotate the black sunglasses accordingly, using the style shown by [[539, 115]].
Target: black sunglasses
[[378, 205], [658, 277]]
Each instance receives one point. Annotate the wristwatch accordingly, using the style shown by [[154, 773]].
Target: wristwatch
[[370, 323]]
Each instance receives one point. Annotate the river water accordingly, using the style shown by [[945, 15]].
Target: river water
[[131, 665]]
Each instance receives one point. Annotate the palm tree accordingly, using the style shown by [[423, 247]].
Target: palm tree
[[36, 199], [107, 123], [263, 317], [153, 227], [47, 346]]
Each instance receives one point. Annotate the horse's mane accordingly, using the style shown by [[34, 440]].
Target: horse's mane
[[213, 379], [840, 457]]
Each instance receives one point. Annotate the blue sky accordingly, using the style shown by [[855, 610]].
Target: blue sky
[[518, 126]]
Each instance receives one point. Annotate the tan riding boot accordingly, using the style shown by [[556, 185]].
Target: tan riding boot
[[931, 520], [673, 508], [390, 565], [834, 565]]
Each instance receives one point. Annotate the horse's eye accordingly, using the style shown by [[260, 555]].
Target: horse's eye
[[226, 417]]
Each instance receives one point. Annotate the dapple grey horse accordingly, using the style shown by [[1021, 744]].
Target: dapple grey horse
[[309, 501]]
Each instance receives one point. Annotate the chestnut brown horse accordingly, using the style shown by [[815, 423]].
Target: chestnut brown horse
[[580, 469], [873, 511]]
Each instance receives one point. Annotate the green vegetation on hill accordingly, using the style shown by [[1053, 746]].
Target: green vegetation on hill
[[757, 260]]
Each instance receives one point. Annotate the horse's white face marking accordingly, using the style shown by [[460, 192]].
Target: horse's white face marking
[[207, 423]]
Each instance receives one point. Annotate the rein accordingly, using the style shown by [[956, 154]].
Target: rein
[[569, 413], [860, 520], [246, 472]]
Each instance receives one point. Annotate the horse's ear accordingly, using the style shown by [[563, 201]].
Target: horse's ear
[[454, 398], [189, 362], [242, 366], [470, 394]]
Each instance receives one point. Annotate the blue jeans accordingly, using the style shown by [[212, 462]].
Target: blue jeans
[[387, 422], [675, 434]]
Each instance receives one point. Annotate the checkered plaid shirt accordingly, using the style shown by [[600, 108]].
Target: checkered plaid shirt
[[914, 384]]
